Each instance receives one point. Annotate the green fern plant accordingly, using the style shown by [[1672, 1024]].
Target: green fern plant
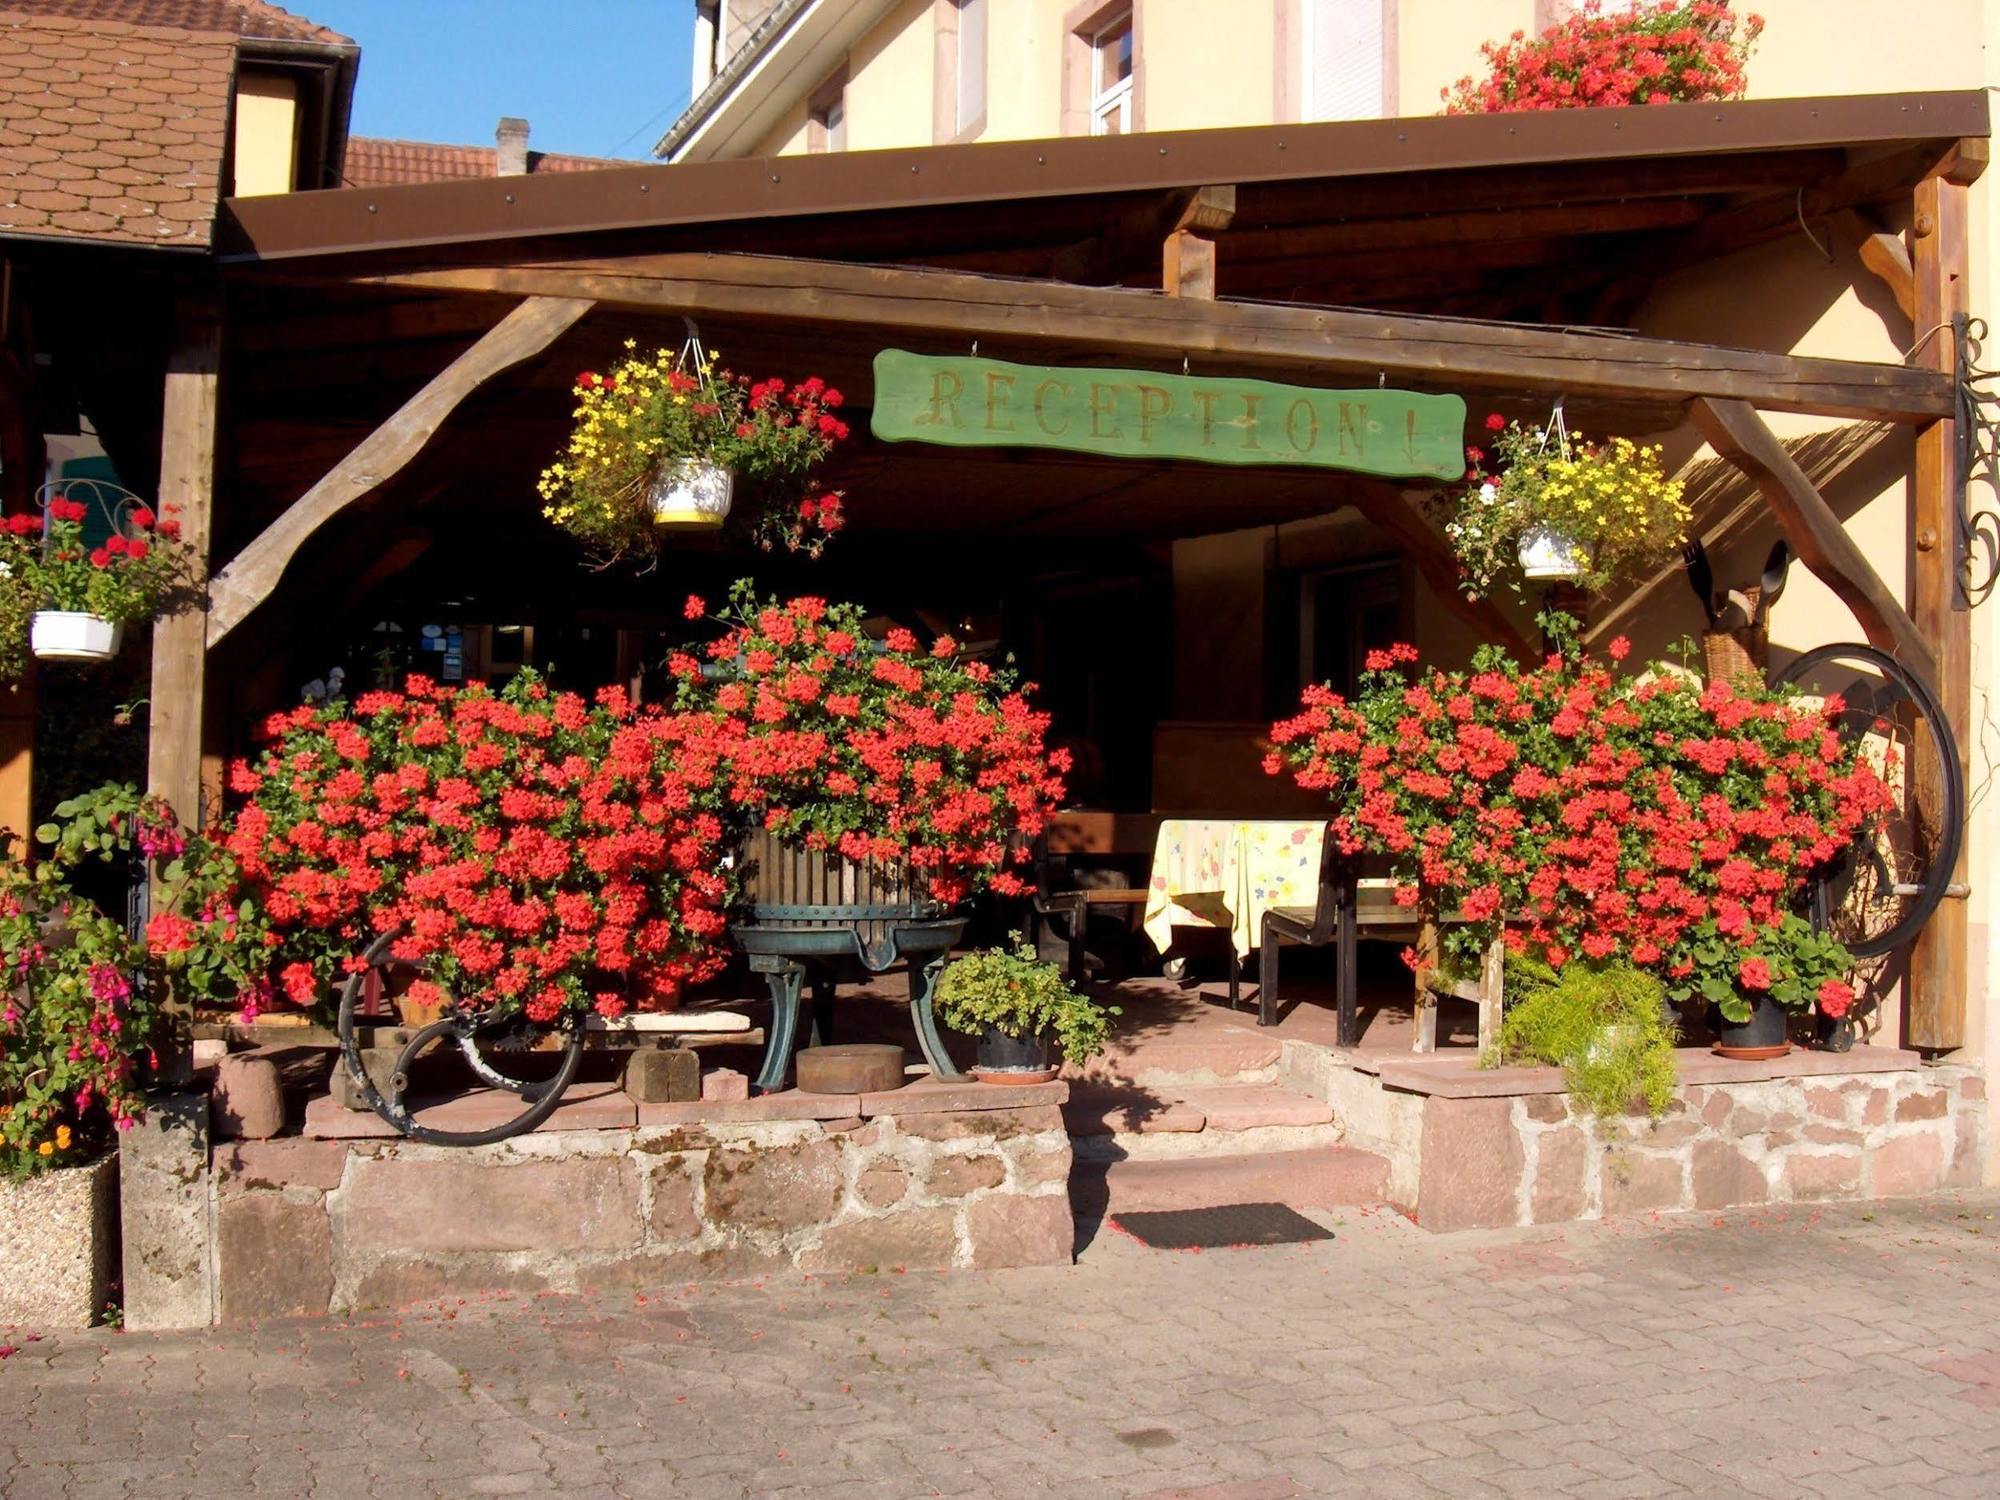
[[1606, 1026]]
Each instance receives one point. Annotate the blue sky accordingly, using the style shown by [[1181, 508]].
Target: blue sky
[[592, 77]]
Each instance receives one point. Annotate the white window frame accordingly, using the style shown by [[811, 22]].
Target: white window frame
[[1116, 100], [1307, 78]]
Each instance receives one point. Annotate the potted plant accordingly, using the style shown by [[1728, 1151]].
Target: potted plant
[[1662, 52], [75, 1031], [80, 596], [917, 761], [1022, 1009], [1779, 970], [1540, 505], [1605, 1025], [667, 441]]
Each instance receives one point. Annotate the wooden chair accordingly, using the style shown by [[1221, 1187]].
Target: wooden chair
[[1349, 906]]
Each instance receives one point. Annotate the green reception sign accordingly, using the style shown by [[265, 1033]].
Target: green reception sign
[[987, 403]]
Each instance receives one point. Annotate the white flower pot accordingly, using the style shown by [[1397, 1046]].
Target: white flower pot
[[1548, 553], [72, 635], [691, 492], [55, 1242]]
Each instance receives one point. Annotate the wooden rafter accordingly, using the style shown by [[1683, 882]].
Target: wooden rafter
[[1123, 323], [254, 572], [1735, 431], [1385, 506]]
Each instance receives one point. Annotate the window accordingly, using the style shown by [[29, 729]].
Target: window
[[1111, 66], [826, 115], [1346, 59], [969, 70]]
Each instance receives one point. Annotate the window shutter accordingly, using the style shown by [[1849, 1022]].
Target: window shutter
[[1344, 61]]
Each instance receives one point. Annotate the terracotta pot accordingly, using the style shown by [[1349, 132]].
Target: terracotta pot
[[1758, 1039]]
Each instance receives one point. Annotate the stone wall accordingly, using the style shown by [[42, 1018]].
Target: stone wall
[[1470, 1151], [312, 1226]]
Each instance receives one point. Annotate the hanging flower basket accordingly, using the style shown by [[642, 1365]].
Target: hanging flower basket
[[1549, 555], [93, 560], [1557, 507], [73, 635], [692, 494], [666, 442]]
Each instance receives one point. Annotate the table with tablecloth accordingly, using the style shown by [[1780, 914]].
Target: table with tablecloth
[[1227, 872]]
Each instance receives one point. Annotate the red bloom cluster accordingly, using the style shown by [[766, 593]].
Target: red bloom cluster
[[542, 854], [883, 751], [1648, 820], [1670, 51]]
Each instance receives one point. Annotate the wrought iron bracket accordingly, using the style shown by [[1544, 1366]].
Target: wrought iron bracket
[[1977, 420]]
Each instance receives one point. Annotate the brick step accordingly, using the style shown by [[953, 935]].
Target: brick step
[[1316, 1177], [1099, 1109]]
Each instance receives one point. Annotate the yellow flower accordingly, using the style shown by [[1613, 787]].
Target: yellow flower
[[47, 1148], [62, 1137]]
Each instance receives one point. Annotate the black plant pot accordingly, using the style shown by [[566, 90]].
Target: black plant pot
[[1757, 1039], [1007, 1059]]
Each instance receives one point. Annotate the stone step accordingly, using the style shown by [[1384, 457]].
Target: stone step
[[1206, 1060], [1316, 1177], [1096, 1109]]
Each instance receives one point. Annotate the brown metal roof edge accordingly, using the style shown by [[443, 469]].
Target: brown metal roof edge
[[349, 221]]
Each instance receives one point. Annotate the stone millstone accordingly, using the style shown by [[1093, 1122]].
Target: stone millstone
[[851, 1068]]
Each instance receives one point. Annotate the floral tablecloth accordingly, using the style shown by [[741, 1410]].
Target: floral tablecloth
[[1212, 872]]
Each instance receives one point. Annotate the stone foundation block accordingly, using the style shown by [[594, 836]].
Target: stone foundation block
[[917, 1237], [1637, 1183], [273, 1256], [1827, 1175], [447, 1203], [955, 1176], [1562, 1165], [163, 1210], [784, 1189], [1037, 1231], [1906, 1166], [1472, 1162], [663, 1075], [290, 1161], [725, 1083], [1724, 1176], [673, 1215], [379, 1063]]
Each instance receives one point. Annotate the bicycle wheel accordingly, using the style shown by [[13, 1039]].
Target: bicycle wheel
[[1878, 893], [482, 1043]]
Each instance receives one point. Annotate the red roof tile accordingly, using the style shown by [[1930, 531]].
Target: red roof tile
[[374, 162], [111, 131], [247, 18]]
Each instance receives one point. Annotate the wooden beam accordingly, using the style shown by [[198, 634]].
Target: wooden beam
[[1887, 257], [1115, 323], [1384, 505], [1187, 256], [1934, 1014], [1735, 431], [254, 572]]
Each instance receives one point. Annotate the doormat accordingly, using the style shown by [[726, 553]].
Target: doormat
[[1227, 1227]]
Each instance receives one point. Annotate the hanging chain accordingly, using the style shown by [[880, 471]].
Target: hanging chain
[[1976, 412]]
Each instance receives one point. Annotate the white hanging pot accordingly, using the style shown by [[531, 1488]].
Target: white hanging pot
[[72, 635], [691, 493], [1548, 553]]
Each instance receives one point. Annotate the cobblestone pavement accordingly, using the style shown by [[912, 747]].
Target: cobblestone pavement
[[1786, 1352]]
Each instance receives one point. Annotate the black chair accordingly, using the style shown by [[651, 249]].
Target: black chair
[[1330, 919]]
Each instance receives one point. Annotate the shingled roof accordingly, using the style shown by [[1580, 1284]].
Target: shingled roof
[[244, 18], [112, 131], [375, 162]]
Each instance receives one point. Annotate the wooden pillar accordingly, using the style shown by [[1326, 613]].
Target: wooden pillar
[[180, 638], [1935, 1014]]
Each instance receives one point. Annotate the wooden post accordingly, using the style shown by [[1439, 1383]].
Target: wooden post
[[180, 638], [1935, 1005]]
